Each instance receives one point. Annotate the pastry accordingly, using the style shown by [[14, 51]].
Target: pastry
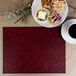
[[54, 17], [58, 5], [46, 3]]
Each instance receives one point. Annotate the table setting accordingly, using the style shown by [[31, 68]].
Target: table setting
[[54, 10], [40, 49]]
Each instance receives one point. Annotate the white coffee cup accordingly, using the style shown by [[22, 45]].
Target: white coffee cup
[[65, 31]]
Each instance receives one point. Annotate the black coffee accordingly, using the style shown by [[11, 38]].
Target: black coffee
[[72, 31]]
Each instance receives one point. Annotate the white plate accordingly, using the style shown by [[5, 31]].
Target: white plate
[[37, 6], [65, 33]]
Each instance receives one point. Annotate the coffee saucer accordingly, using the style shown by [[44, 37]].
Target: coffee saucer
[[65, 31]]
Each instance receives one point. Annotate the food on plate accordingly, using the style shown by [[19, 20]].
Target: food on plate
[[46, 3], [54, 7], [54, 17], [42, 15], [58, 5]]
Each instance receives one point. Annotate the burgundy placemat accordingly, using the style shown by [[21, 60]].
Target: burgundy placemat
[[33, 50]]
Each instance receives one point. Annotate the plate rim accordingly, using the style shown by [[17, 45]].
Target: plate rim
[[56, 25]]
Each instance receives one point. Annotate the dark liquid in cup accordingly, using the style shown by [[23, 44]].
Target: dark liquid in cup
[[72, 31]]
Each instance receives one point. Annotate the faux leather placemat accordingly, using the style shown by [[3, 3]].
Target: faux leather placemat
[[33, 50]]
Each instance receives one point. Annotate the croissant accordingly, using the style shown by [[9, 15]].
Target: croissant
[[46, 3]]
